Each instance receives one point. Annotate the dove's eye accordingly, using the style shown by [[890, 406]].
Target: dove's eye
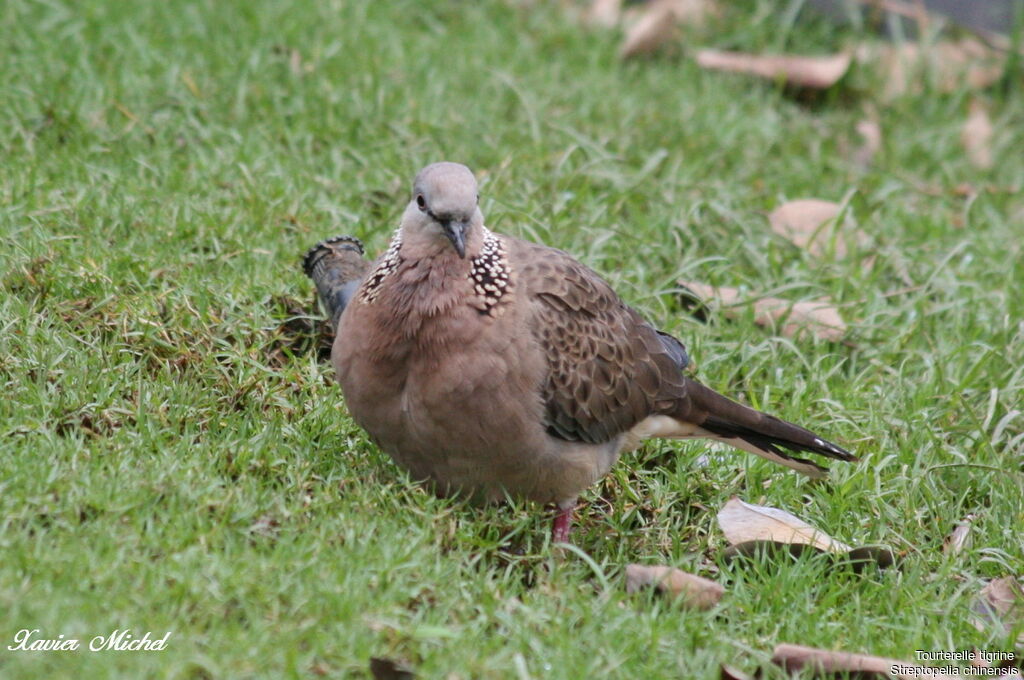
[[421, 202]]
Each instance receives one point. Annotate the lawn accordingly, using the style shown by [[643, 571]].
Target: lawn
[[175, 455]]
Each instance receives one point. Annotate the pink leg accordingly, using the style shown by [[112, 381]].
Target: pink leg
[[563, 523]]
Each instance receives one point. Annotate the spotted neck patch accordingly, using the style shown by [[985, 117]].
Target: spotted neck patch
[[388, 264], [490, 272]]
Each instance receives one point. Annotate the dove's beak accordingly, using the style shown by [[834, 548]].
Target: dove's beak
[[456, 233]]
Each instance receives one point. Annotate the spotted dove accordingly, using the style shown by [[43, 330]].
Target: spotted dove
[[487, 365]]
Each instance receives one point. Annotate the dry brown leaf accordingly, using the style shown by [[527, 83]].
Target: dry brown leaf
[[687, 12], [655, 27], [960, 538], [824, 661], [947, 65], [820, 318], [692, 12], [694, 591], [871, 132], [744, 522], [1000, 605], [810, 72], [604, 13], [810, 223], [754, 528], [976, 136]]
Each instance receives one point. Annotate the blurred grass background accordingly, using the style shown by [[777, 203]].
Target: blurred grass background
[[175, 456]]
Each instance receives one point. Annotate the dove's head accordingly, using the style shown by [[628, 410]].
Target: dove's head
[[444, 209]]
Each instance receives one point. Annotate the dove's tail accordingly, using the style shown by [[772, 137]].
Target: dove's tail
[[740, 426], [337, 267]]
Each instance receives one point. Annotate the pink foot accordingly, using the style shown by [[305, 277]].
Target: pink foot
[[563, 523]]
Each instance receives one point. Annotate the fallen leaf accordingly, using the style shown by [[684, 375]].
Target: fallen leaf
[[1000, 605], [751, 529], [657, 23], [604, 13], [976, 136], [959, 538], [810, 72], [692, 12], [820, 318], [389, 669], [694, 591], [824, 661], [744, 522], [811, 223], [871, 132], [655, 27], [946, 65]]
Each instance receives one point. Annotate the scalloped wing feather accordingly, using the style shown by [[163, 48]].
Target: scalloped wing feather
[[607, 368]]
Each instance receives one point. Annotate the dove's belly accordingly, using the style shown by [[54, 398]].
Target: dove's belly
[[471, 425]]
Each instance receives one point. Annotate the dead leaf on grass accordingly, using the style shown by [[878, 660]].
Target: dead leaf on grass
[[871, 132], [1000, 605], [976, 136], [947, 65], [694, 591], [743, 522], [655, 27], [825, 663], [960, 538], [603, 13], [657, 24], [817, 73], [691, 12], [820, 318], [751, 528], [812, 224]]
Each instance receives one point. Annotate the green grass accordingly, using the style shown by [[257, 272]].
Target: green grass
[[174, 454]]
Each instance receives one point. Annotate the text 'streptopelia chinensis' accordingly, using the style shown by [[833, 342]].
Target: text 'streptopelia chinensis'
[[487, 365]]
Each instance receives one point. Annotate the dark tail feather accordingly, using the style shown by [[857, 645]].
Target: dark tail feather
[[756, 432], [337, 267]]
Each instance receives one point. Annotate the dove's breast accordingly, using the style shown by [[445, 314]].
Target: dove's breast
[[437, 397]]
